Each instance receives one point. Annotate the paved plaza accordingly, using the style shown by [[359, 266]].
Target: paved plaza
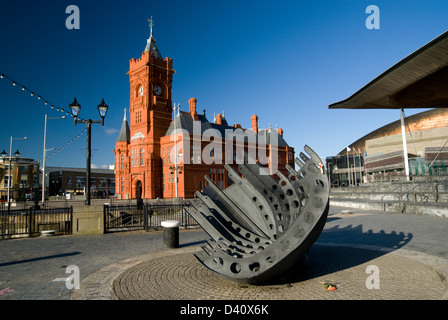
[[409, 253]]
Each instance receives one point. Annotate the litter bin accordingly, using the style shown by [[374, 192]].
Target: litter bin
[[171, 233]]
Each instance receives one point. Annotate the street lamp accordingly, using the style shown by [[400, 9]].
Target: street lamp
[[102, 110], [75, 108], [44, 159], [17, 155]]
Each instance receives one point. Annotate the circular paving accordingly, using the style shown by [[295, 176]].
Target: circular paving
[[351, 270]]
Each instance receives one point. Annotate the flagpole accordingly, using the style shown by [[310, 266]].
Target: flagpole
[[354, 167], [365, 167], [348, 167], [360, 170], [405, 148]]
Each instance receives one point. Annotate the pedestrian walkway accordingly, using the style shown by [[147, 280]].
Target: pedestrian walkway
[[352, 247], [409, 252], [348, 269], [36, 268]]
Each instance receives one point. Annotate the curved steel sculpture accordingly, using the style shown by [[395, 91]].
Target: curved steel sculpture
[[261, 226]]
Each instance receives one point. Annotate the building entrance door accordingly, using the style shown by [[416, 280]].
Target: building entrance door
[[139, 190]]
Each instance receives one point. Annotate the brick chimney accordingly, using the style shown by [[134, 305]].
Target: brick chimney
[[219, 118], [254, 119], [193, 112], [280, 131]]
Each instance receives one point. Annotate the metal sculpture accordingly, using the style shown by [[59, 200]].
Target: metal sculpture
[[261, 226]]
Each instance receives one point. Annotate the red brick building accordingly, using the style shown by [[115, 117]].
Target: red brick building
[[145, 162]]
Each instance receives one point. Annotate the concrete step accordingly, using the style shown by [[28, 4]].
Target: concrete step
[[442, 186], [414, 196], [428, 208]]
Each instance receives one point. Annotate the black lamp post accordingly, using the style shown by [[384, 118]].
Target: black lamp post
[[75, 107]]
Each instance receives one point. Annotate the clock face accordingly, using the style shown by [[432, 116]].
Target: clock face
[[157, 90], [140, 91]]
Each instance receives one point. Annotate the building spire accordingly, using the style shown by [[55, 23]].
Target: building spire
[[151, 42], [151, 24], [125, 133]]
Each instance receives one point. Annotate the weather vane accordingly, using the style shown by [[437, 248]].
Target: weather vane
[[151, 24]]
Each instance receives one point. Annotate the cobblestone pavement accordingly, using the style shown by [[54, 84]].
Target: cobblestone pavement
[[35, 268], [182, 277], [410, 252]]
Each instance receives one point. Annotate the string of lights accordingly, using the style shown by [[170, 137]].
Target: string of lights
[[65, 145], [47, 103], [35, 94]]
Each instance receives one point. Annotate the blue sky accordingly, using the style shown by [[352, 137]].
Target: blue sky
[[285, 61]]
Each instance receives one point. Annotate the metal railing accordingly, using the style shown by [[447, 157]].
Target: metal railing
[[422, 195], [144, 216], [31, 222]]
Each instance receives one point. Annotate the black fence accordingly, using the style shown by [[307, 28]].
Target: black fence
[[145, 216], [31, 222]]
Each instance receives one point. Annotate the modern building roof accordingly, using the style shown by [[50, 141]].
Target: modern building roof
[[80, 170], [430, 119], [418, 81]]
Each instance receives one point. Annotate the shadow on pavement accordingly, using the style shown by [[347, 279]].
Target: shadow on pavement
[[355, 235], [40, 258], [191, 244], [324, 259]]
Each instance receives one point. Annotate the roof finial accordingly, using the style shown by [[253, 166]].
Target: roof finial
[[124, 118], [151, 24]]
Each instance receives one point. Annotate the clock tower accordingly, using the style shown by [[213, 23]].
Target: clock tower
[[151, 79]]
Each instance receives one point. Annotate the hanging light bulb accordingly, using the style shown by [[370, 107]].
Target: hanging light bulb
[[13, 83], [32, 93], [23, 88], [2, 76]]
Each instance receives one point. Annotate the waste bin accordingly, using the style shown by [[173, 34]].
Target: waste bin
[[171, 233]]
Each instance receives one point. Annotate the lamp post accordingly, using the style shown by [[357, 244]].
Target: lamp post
[[17, 155], [44, 159], [176, 167], [4, 154], [75, 108]]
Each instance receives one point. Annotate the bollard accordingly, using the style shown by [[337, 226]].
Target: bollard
[[171, 233]]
